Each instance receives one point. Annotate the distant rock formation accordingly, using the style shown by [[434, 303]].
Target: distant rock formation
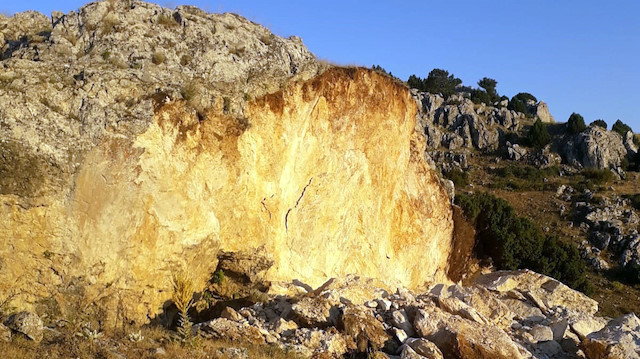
[[541, 111], [595, 147]]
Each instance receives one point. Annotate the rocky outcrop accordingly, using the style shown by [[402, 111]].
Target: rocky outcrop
[[138, 141], [327, 175], [595, 148], [459, 123], [515, 152], [541, 111], [612, 225]]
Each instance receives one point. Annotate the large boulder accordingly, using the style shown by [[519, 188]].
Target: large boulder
[[595, 148], [310, 174]]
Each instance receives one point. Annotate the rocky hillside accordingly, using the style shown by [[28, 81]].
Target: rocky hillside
[[139, 140], [457, 127], [196, 173]]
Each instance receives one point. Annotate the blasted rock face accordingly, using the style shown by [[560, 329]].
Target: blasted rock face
[[327, 177]]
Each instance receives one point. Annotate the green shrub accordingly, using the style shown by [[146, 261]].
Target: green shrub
[[538, 134], [529, 173], [518, 106], [621, 128], [518, 103], [599, 123], [458, 177], [489, 86], [575, 124], [218, 277], [479, 96], [514, 242], [597, 176], [525, 97], [438, 81]]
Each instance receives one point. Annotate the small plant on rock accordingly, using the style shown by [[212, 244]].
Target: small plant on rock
[[183, 289]]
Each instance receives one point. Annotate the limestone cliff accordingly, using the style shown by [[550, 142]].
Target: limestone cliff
[[328, 175]]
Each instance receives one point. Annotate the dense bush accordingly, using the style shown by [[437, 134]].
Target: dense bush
[[514, 242], [438, 81], [538, 134], [599, 123], [518, 103], [575, 124], [480, 96], [489, 86], [621, 128]]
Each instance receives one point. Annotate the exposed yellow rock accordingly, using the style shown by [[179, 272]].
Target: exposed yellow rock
[[328, 175]]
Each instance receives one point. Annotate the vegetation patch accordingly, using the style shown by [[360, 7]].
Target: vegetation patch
[[538, 135], [458, 177], [524, 177], [514, 242], [596, 176], [576, 124]]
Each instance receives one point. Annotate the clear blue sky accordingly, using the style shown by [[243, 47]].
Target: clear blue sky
[[578, 56]]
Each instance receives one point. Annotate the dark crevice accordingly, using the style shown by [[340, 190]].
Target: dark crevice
[[286, 216]]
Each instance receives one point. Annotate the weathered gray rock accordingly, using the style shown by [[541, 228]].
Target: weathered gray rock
[[458, 337], [99, 71], [231, 314], [248, 265], [483, 135], [583, 326], [595, 148], [542, 112], [222, 328], [409, 353], [317, 341], [26, 323], [362, 330], [545, 292], [629, 144], [515, 152], [545, 158], [619, 339]]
